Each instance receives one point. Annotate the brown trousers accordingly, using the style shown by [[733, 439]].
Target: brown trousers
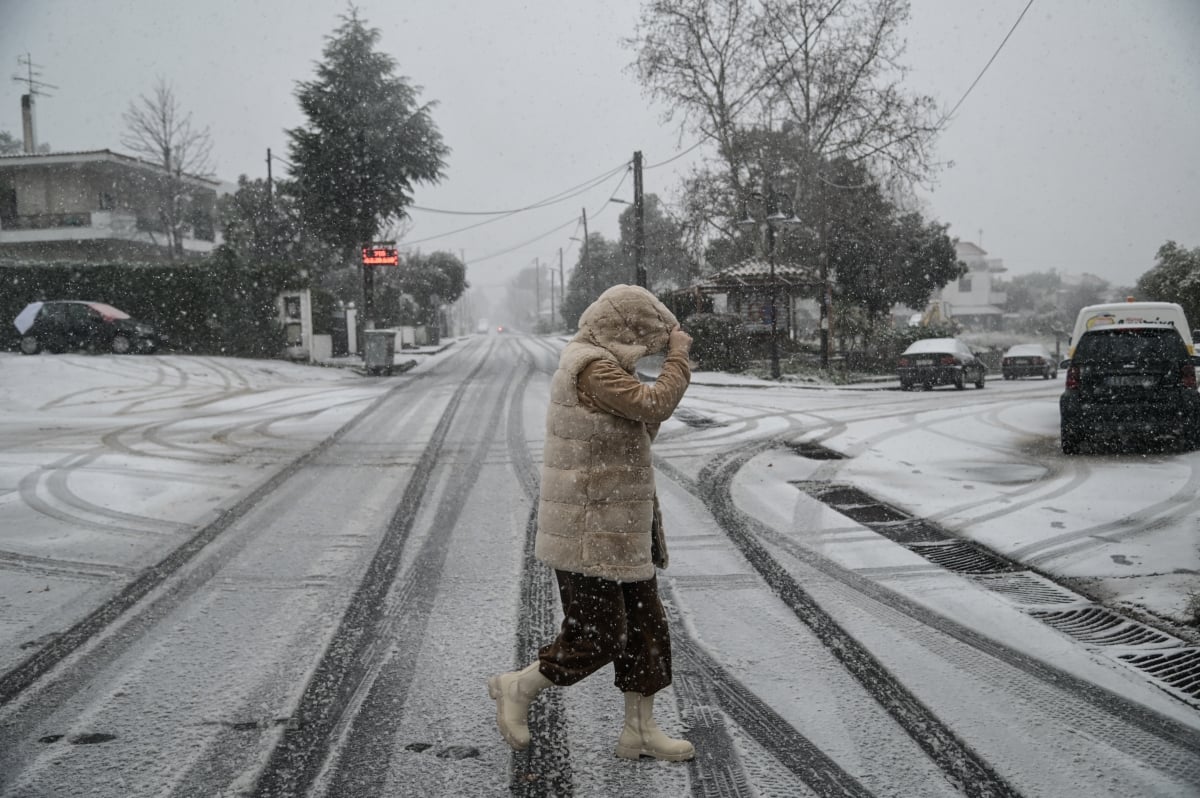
[[619, 622]]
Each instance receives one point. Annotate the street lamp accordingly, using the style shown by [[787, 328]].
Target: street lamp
[[773, 221]]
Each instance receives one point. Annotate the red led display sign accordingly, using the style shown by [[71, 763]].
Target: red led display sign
[[381, 254]]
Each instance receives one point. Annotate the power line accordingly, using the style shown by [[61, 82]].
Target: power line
[[495, 219], [604, 206], [524, 243], [985, 66], [609, 201], [574, 221], [675, 157], [542, 203]]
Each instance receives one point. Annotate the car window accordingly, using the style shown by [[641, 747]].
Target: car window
[[1130, 345], [54, 311], [80, 313]]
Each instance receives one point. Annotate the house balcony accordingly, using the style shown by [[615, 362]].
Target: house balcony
[[118, 225]]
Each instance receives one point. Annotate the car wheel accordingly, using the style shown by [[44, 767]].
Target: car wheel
[[959, 381], [979, 382], [30, 345], [1045, 375], [121, 344], [905, 385], [1070, 441]]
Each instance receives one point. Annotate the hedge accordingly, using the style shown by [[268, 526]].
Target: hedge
[[216, 307]]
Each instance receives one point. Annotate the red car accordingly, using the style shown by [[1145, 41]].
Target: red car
[[64, 325]]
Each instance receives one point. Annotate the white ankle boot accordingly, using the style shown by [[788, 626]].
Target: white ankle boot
[[642, 737], [513, 693]]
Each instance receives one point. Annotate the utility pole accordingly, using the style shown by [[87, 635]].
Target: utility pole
[[562, 286], [639, 228], [826, 294], [368, 297], [551, 299], [268, 175], [587, 266]]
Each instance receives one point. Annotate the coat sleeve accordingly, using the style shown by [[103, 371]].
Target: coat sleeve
[[608, 387]]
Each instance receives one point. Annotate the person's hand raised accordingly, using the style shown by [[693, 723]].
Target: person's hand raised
[[679, 340]]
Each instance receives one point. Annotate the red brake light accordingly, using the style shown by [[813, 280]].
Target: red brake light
[[1188, 377], [1007, 361], [903, 361], [1073, 378], [947, 360]]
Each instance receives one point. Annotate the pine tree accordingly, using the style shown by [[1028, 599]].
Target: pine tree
[[367, 142]]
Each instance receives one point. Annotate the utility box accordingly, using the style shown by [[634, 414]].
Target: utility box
[[295, 314], [379, 351]]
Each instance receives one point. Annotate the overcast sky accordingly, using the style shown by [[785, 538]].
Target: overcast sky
[[1077, 151]]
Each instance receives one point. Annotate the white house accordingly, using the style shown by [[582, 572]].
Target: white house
[[96, 206], [972, 301]]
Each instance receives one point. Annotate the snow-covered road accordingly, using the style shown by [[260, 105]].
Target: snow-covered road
[[223, 577]]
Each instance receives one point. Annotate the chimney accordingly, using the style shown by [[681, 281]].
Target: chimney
[[27, 123]]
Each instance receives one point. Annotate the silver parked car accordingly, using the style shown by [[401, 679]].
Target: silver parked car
[[1029, 360], [940, 361]]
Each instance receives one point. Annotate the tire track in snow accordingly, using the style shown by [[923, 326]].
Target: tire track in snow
[[961, 764], [365, 745], [700, 683], [298, 755], [1160, 741], [548, 751], [18, 679]]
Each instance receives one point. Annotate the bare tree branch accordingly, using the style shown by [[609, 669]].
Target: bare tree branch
[[157, 129]]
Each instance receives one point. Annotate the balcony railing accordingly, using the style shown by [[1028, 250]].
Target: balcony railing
[[48, 221]]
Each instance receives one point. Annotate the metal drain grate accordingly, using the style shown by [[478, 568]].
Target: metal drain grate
[[1026, 588], [1178, 670], [815, 451], [853, 503], [1102, 627], [962, 557], [912, 530], [1171, 666]]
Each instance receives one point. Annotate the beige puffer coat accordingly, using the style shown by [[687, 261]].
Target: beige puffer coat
[[598, 503]]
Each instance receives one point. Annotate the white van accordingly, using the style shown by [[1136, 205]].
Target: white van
[[1131, 312]]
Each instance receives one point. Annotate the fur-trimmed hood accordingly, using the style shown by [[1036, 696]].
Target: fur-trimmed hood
[[629, 322]]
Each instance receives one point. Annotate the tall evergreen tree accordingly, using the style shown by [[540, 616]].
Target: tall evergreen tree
[[1174, 278], [367, 142]]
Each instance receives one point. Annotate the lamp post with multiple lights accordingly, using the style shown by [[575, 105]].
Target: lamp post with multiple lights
[[773, 219]]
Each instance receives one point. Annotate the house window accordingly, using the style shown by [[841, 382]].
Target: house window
[[8, 204], [964, 285]]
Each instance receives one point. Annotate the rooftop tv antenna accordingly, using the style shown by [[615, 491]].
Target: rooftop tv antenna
[[36, 88], [30, 78]]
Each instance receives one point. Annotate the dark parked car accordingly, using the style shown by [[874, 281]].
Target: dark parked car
[[60, 326], [940, 361], [1134, 381], [1028, 360]]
